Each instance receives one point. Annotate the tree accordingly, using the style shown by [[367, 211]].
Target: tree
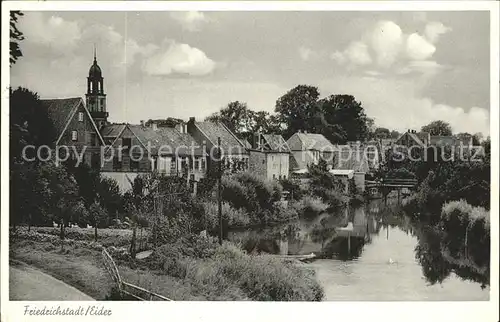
[[29, 125], [235, 116], [15, 37], [60, 194], [382, 133], [395, 134], [298, 109], [345, 112], [437, 128], [29, 121], [98, 215]]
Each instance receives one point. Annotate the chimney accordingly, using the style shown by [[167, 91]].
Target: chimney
[[142, 122]]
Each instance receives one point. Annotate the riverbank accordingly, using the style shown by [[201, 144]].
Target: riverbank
[[186, 270]]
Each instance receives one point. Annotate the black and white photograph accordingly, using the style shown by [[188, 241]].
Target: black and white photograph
[[249, 155]]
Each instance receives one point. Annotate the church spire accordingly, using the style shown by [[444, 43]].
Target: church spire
[[95, 55]]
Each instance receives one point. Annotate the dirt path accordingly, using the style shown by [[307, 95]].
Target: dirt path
[[29, 284]]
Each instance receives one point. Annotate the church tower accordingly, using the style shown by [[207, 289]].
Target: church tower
[[95, 97]]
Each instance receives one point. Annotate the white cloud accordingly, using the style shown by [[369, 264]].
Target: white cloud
[[386, 40], [434, 29], [179, 59], [305, 53], [418, 48], [189, 20], [56, 33], [355, 54], [424, 67], [387, 45], [339, 57], [409, 109]]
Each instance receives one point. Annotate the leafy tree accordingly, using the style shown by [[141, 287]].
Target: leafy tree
[[15, 37], [394, 134], [98, 216], [236, 116], [382, 133], [29, 122], [346, 112], [29, 125], [109, 196], [298, 109], [437, 128], [60, 194]]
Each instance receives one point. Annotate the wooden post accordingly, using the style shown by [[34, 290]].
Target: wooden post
[[219, 190], [349, 244]]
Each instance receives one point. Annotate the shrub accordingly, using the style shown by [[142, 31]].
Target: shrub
[[227, 272], [231, 215], [458, 219], [309, 207]]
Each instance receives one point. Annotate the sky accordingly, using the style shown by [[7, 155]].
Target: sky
[[406, 68]]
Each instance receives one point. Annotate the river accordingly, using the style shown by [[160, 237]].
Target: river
[[370, 253]]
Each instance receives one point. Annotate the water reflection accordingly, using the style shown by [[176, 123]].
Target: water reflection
[[380, 230]]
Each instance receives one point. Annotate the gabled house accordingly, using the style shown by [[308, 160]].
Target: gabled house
[[152, 148], [413, 139], [309, 148], [269, 156], [424, 139], [234, 151], [75, 127]]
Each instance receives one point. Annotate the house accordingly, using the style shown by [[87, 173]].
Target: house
[[344, 176], [76, 128], [351, 159], [269, 156], [233, 150], [424, 139], [413, 139], [122, 151], [309, 148], [141, 149]]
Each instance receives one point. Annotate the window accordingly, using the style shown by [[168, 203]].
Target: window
[[274, 176], [134, 165], [197, 164], [74, 135], [203, 165], [95, 161], [173, 165], [117, 163], [80, 116], [93, 139], [126, 143]]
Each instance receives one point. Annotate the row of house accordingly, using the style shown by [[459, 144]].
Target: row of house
[[186, 148]]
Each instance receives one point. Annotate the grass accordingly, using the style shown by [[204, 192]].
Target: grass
[[191, 269], [105, 236]]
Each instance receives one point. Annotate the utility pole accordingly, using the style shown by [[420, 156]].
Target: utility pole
[[219, 190]]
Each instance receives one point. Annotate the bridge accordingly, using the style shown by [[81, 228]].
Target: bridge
[[386, 185], [392, 183]]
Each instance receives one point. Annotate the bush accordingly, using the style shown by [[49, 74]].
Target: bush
[[227, 272], [231, 215], [459, 219], [309, 207]]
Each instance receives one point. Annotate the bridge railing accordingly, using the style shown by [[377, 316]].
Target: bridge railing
[[134, 291], [392, 182]]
